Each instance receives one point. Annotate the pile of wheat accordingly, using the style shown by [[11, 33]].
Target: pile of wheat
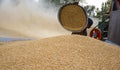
[[60, 53], [72, 17]]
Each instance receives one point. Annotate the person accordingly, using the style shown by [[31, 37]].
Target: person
[[114, 24], [117, 4], [84, 32]]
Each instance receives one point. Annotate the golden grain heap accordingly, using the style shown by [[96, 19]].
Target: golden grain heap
[[60, 53], [73, 17]]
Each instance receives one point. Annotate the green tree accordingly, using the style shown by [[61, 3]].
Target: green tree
[[89, 9], [105, 9]]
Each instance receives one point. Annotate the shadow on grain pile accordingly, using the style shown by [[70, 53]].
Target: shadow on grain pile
[[60, 53]]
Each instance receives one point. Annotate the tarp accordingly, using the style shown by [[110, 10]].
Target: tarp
[[114, 27]]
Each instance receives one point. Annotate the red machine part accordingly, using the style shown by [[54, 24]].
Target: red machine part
[[96, 33]]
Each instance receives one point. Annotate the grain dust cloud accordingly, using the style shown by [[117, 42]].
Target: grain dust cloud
[[29, 18]]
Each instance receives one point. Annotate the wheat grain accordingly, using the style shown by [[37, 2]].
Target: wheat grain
[[60, 53]]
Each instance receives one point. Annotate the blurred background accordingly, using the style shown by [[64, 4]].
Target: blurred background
[[38, 18]]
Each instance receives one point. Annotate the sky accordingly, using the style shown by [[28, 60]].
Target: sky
[[36, 0], [97, 3]]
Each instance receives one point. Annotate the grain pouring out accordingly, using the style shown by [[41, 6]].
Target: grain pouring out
[[31, 18]]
